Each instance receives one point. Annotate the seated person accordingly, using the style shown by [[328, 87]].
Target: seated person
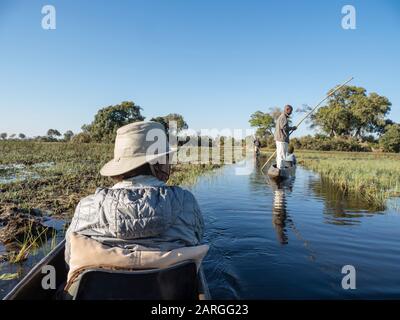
[[140, 212], [257, 146], [290, 157]]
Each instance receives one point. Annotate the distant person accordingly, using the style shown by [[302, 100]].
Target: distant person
[[140, 212], [290, 156], [257, 146], [282, 131]]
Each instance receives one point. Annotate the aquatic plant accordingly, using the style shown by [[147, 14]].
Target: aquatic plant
[[29, 243], [375, 177], [63, 173]]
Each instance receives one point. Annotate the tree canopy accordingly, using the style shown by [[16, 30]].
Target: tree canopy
[[68, 135], [390, 140], [264, 122], [53, 132], [165, 121], [107, 121], [350, 112]]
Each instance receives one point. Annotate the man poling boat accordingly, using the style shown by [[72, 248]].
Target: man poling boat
[[281, 169]]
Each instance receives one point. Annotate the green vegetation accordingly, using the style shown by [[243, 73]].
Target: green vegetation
[[50, 178], [373, 176], [325, 143], [31, 241], [350, 112], [107, 121], [351, 120], [187, 174], [9, 276], [390, 140], [175, 117], [264, 122], [57, 175], [104, 126]]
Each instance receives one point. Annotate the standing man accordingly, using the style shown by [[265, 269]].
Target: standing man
[[282, 131]]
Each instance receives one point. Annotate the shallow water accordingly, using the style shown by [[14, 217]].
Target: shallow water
[[289, 241], [22, 268], [19, 172]]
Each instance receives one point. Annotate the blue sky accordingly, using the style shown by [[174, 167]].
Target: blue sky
[[215, 62]]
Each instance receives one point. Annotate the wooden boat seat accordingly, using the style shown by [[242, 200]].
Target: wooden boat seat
[[175, 282]]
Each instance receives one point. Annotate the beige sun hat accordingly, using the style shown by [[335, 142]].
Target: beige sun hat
[[136, 144]]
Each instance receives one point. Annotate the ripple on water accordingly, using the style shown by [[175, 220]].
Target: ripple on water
[[297, 251]]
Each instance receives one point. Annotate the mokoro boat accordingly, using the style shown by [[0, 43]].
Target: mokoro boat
[[181, 281], [286, 172]]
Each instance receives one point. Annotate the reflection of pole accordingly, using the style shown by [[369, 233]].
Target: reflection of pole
[[308, 114]]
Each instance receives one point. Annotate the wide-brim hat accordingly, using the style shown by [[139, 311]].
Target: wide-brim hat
[[136, 144]]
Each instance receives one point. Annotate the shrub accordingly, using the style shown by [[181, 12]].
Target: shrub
[[82, 137], [325, 143], [390, 140]]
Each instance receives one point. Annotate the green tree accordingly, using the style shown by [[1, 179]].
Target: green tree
[[22, 136], [350, 112], [107, 121], [162, 121], [166, 120], [382, 129], [3, 136], [82, 137], [264, 122], [53, 132], [369, 113], [68, 135], [390, 140]]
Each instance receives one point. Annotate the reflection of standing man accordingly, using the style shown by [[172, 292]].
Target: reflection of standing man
[[282, 131], [279, 215]]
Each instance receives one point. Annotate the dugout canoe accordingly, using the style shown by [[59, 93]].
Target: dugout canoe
[[181, 281], [284, 173]]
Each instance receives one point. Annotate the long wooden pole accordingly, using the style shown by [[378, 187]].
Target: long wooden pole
[[308, 114]]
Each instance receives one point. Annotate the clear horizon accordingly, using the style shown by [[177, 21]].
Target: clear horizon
[[213, 62]]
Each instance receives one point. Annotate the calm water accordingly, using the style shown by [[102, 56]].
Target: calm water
[[271, 241], [291, 241]]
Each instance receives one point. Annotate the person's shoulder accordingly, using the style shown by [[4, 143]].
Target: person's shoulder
[[179, 189], [186, 195], [99, 193]]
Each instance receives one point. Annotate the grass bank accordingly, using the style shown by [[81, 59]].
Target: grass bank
[[53, 177], [373, 176], [49, 178]]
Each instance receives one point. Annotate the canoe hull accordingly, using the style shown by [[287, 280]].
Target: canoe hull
[[281, 174], [30, 287]]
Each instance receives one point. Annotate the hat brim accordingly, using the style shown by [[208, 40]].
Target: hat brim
[[124, 165]]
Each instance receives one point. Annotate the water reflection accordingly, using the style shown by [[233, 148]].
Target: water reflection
[[280, 217], [339, 207], [251, 219]]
